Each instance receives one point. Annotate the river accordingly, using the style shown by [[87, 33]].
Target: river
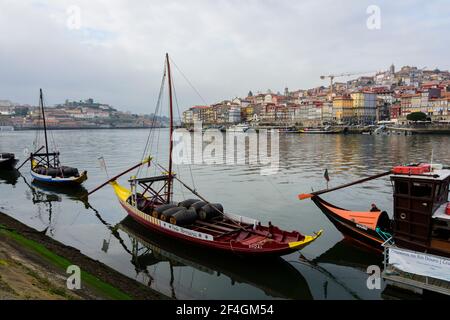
[[331, 268]]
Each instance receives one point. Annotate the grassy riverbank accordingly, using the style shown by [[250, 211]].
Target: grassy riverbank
[[33, 266]]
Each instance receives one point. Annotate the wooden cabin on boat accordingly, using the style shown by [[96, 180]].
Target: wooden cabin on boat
[[421, 211]]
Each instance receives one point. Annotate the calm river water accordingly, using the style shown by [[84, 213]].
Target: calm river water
[[336, 269]]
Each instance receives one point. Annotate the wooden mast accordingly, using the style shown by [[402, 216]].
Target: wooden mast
[[169, 182], [45, 127]]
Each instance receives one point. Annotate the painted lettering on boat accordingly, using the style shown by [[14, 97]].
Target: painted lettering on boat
[[361, 226], [257, 245], [187, 232]]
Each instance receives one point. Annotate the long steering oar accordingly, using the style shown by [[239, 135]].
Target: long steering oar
[[119, 175], [23, 163], [304, 196]]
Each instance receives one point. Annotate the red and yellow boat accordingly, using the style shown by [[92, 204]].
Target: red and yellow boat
[[227, 232], [197, 221]]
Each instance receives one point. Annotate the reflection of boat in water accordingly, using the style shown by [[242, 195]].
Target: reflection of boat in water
[[78, 193], [44, 196], [276, 277], [349, 254], [9, 176]]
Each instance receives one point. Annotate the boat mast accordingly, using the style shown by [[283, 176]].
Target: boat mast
[[41, 100], [169, 182]]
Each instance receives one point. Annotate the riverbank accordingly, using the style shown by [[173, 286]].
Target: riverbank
[[33, 266]]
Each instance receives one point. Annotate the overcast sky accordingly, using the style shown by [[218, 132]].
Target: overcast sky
[[224, 47]]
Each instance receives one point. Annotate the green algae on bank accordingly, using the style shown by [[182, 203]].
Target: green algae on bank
[[93, 282]]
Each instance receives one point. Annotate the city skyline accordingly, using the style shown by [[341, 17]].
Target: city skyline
[[116, 56]]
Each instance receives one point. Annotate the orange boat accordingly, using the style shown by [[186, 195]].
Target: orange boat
[[370, 228]]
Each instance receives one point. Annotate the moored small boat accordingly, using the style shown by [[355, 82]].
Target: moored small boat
[[46, 167], [326, 130], [8, 161], [229, 232], [238, 128], [58, 178]]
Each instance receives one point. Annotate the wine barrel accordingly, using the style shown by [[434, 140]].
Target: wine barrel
[[53, 172], [69, 171], [158, 210], [198, 205], [208, 212], [184, 217], [187, 203], [165, 216]]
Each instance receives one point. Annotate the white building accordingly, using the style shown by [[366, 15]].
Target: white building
[[234, 114]]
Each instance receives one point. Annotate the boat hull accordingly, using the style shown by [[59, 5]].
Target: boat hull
[[351, 229], [57, 181], [8, 164], [155, 226], [261, 246]]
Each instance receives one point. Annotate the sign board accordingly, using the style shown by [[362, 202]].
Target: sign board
[[420, 263]]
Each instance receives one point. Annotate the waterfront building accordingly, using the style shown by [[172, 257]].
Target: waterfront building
[[234, 114], [364, 107], [395, 111], [342, 109]]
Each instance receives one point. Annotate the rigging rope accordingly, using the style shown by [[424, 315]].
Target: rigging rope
[[151, 133], [179, 116], [187, 80]]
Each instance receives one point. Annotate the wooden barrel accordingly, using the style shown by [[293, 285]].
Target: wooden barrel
[[184, 218], [165, 216], [187, 203], [208, 212], [160, 209], [198, 205]]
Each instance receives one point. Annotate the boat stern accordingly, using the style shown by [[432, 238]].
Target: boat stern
[[297, 245]]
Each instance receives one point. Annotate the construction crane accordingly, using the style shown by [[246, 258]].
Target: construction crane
[[332, 76]]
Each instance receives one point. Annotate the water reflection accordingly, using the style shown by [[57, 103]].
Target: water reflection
[[45, 196], [352, 254], [9, 177], [276, 277]]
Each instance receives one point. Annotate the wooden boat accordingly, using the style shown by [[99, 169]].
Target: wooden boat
[[8, 161], [421, 217], [228, 232], [326, 130], [199, 222], [46, 167], [370, 228]]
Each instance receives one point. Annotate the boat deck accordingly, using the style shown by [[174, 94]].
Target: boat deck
[[224, 229]]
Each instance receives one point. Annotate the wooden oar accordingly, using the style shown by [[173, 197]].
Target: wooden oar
[[119, 175], [23, 163], [304, 196]]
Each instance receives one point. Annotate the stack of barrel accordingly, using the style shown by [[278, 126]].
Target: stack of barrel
[[187, 211]]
